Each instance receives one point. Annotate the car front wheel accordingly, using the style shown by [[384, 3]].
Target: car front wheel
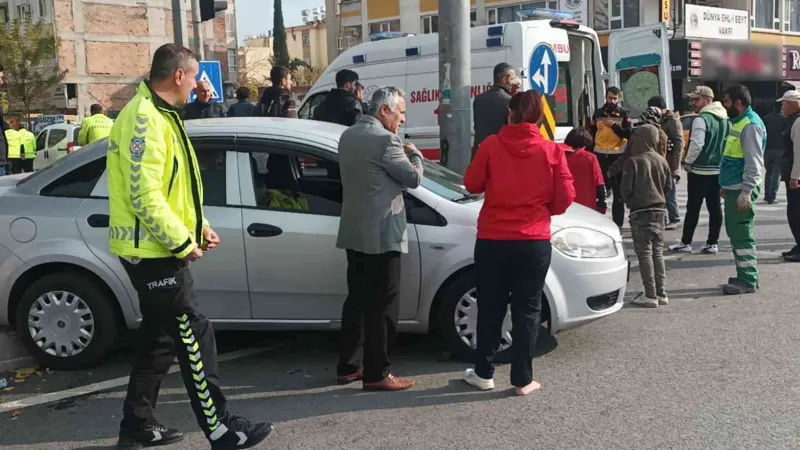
[[66, 321]]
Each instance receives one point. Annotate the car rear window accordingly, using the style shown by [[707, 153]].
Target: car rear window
[[78, 183], [75, 134]]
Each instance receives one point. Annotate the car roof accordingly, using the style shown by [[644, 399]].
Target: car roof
[[322, 134]]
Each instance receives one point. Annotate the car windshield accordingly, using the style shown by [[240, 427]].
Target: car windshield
[[443, 181]]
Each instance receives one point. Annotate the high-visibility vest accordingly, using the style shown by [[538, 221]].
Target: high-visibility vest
[[94, 128], [14, 143], [28, 142], [154, 185], [731, 171]]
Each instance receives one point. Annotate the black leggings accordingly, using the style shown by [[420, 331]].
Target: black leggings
[[510, 271], [702, 188]]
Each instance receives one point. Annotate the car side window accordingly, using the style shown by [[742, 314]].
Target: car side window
[[41, 140], [56, 135], [75, 133], [307, 111], [291, 181], [211, 154], [78, 183], [418, 213]]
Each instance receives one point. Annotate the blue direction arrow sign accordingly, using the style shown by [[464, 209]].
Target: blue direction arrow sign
[[211, 71], [543, 69]]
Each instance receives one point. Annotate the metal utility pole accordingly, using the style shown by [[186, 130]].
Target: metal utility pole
[[179, 23], [455, 80], [200, 49]]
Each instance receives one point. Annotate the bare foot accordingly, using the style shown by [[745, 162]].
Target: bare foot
[[528, 389]]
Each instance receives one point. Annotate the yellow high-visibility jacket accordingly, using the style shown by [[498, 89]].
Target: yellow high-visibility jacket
[[28, 143], [154, 184], [94, 128]]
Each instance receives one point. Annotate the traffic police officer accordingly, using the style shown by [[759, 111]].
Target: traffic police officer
[[740, 177], [14, 152], [95, 127], [28, 143], [156, 228]]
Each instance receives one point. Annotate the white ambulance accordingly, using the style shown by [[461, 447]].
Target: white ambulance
[[638, 60]]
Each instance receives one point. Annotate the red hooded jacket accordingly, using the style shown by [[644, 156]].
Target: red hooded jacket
[[526, 179], [587, 176]]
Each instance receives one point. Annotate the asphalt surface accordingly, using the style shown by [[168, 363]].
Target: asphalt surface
[[707, 371]]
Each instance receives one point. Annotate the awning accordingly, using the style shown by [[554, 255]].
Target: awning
[[793, 84]]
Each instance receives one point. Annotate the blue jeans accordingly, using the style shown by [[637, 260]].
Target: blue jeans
[[772, 181], [674, 214], [3, 170]]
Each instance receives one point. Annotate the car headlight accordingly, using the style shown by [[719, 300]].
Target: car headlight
[[581, 242]]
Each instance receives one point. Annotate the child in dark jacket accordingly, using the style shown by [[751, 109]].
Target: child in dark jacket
[[590, 188], [646, 180]]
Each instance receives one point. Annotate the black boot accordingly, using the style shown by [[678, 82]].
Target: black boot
[[794, 251], [149, 436], [241, 433], [736, 286]]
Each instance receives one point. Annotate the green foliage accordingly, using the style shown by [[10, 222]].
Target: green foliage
[[29, 58], [280, 49]]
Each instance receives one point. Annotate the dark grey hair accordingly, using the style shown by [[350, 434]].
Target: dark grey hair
[[168, 59], [386, 95]]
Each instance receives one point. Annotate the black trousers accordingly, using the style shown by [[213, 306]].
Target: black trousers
[[510, 271], [369, 315], [27, 165], [171, 325], [793, 212], [617, 205], [702, 188], [16, 165]]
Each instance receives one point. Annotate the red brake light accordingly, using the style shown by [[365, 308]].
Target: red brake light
[[70, 147], [565, 23]]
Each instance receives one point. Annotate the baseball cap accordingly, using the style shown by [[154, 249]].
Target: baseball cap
[[792, 96], [701, 91]]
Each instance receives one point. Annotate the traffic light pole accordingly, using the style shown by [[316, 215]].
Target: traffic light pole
[[455, 80], [179, 23], [200, 48]]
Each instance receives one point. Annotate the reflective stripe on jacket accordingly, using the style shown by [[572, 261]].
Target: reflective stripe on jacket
[[154, 184], [732, 166], [94, 128], [28, 143], [14, 143]]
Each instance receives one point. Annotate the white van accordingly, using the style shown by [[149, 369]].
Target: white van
[[639, 61], [55, 142]]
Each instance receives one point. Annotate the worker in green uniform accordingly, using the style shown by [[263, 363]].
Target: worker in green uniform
[[28, 144], [95, 127], [14, 149], [157, 228], [740, 177]]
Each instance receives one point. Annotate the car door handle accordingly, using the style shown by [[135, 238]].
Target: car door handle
[[98, 220], [263, 230]]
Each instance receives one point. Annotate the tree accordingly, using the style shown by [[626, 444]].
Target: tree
[[293, 65], [307, 75], [280, 49], [29, 61]]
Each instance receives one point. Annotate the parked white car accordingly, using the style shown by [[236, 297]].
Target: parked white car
[[278, 266], [55, 142]]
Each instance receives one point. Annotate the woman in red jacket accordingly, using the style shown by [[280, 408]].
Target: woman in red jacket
[[526, 180]]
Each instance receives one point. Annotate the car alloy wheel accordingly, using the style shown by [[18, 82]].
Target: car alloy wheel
[[465, 317], [61, 324]]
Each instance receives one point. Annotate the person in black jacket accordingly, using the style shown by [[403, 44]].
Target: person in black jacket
[[277, 100], [203, 107], [3, 143], [244, 108], [340, 105], [490, 109], [360, 93]]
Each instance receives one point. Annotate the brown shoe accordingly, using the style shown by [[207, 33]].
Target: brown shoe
[[347, 379], [390, 383]]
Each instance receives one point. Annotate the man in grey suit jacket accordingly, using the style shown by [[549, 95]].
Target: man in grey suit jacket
[[490, 109], [375, 166]]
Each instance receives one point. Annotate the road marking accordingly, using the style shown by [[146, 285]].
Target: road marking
[[117, 382]]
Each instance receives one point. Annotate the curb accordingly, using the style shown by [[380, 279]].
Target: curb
[[13, 354]]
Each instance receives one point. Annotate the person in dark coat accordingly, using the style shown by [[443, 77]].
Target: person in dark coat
[[243, 108], [341, 105], [203, 107], [3, 143], [360, 93], [490, 109], [775, 122], [277, 100]]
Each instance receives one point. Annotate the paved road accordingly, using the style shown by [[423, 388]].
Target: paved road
[[705, 372]]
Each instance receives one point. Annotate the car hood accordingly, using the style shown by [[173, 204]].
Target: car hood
[[576, 216]]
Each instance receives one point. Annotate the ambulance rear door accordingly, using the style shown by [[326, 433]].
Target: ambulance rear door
[[638, 63]]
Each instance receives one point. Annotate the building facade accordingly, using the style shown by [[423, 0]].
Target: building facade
[[107, 45], [308, 43]]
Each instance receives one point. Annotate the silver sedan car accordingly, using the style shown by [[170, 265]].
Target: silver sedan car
[[273, 193]]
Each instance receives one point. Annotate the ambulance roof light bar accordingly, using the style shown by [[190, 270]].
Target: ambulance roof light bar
[[388, 35], [558, 19]]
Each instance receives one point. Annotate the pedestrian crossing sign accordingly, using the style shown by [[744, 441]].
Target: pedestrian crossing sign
[[211, 72]]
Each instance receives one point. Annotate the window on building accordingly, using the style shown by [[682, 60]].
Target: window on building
[[4, 13], [430, 24], [616, 14], [791, 14], [42, 8], [766, 14], [23, 11], [507, 14], [384, 27], [306, 39], [233, 61]]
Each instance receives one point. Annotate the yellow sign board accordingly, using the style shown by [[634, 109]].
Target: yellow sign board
[[666, 6]]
